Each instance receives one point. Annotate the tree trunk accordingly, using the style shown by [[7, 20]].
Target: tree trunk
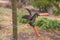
[[14, 18]]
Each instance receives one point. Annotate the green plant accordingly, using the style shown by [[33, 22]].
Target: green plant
[[58, 26], [20, 14], [57, 12], [45, 4], [22, 20], [41, 21], [45, 23]]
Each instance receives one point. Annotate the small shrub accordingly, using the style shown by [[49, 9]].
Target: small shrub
[[45, 23]]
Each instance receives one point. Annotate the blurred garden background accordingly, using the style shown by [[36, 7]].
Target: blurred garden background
[[48, 26]]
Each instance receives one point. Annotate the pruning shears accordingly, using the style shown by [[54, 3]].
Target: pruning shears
[[32, 18]]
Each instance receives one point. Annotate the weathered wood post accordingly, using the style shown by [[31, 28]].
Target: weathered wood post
[[14, 18]]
